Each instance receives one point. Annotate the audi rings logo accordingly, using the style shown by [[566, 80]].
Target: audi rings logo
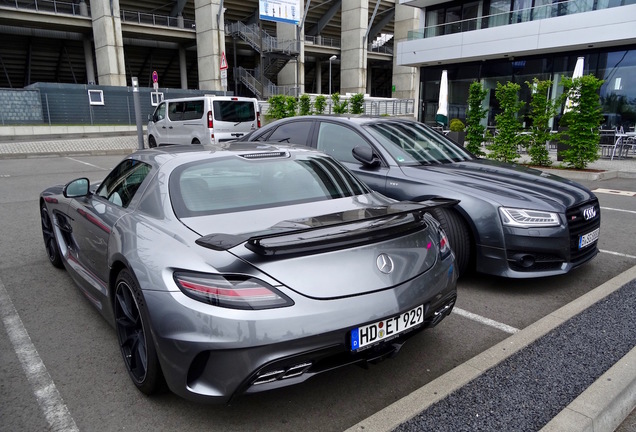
[[384, 263], [589, 213]]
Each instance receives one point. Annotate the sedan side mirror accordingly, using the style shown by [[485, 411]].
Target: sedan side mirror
[[366, 156], [77, 188]]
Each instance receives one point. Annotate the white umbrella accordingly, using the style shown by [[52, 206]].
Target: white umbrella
[[578, 73], [442, 110]]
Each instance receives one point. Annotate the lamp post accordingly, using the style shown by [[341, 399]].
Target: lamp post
[[332, 58]]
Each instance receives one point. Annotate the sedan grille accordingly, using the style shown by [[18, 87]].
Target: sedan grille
[[582, 219]]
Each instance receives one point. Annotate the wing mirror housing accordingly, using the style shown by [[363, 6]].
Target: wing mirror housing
[[366, 156], [77, 188]]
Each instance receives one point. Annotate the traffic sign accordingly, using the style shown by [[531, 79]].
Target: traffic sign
[[223, 61], [155, 76]]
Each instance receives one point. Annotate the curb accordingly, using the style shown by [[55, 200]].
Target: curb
[[602, 407]]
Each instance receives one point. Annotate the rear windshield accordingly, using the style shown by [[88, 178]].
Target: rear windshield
[[234, 111], [233, 183]]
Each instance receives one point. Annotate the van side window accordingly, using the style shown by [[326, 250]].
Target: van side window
[[175, 111], [193, 110], [160, 113]]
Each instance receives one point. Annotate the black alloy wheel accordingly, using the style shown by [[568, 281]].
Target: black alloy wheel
[[52, 250], [137, 349]]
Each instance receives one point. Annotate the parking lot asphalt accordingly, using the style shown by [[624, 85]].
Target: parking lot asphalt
[[573, 370]]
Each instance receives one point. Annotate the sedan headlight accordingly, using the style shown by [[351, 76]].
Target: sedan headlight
[[528, 218], [234, 292]]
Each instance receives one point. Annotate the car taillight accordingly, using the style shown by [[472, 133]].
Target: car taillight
[[444, 245], [258, 120], [234, 292], [210, 122]]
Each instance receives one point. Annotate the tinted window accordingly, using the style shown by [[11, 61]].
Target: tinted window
[[193, 109], [122, 183], [412, 143], [338, 141], [292, 132], [175, 111], [234, 111], [236, 184]]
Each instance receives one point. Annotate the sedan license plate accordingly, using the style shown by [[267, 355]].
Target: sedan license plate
[[589, 238], [386, 329]]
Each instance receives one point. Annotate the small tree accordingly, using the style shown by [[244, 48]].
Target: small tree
[[542, 109], [357, 103], [582, 120], [305, 105], [277, 107], [291, 103], [475, 131], [320, 104], [505, 144], [338, 107]]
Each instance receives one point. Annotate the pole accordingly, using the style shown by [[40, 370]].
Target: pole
[[330, 76], [140, 129]]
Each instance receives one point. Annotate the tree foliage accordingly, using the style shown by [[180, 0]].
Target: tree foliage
[[281, 106], [475, 131], [304, 105], [506, 142], [582, 121], [320, 103], [338, 106], [357, 103], [542, 109]]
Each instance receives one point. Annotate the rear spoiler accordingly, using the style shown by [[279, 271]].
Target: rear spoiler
[[297, 227]]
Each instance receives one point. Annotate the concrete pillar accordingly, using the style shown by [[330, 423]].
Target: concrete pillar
[[319, 75], [183, 71], [88, 49], [109, 44], [353, 58], [406, 80], [210, 43], [369, 80], [293, 74]]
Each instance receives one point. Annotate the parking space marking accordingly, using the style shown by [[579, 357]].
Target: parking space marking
[[49, 399], [86, 163], [617, 254], [486, 321], [618, 210], [614, 192]]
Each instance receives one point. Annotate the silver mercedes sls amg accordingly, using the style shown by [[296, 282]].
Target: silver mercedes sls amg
[[237, 269]]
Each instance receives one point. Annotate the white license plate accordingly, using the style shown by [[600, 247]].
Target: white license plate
[[589, 238], [386, 329]]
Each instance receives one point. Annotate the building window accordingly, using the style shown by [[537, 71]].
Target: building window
[[96, 97]]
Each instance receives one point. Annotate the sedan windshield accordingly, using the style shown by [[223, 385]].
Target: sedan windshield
[[238, 183], [412, 143]]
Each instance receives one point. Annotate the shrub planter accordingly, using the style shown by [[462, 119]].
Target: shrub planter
[[457, 137]]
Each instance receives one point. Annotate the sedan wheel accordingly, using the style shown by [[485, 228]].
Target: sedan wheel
[[134, 336], [50, 243], [458, 236], [152, 142]]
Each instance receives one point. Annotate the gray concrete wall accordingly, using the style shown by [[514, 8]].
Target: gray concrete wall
[[109, 45], [353, 54], [210, 43], [405, 79]]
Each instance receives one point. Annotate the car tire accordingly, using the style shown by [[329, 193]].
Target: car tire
[[152, 143], [134, 336], [196, 141], [50, 243], [458, 236]]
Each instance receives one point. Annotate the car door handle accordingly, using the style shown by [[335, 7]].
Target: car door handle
[[163, 127], [169, 127]]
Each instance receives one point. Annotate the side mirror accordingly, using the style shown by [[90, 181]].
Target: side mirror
[[77, 188], [366, 156]]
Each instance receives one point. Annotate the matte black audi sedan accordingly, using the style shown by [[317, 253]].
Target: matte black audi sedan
[[512, 221]]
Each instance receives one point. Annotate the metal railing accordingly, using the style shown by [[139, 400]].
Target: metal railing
[[156, 20], [323, 41], [507, 18], [262, 88], [54, 6], [264, 41]]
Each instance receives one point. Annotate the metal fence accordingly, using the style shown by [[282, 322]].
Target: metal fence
[[46, 6]]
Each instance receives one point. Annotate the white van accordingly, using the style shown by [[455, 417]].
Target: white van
[[202, 120]]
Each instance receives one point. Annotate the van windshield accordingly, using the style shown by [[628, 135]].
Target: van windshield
[[234, 111]]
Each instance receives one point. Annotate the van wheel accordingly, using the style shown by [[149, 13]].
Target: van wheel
[[151, 142], [458, 236], [196, 141]]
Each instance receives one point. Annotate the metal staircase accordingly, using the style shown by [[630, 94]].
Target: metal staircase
[[276, 54]]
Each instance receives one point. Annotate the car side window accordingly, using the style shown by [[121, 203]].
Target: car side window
[[293, 132], [122, 183], [338, 141], [175, 111]]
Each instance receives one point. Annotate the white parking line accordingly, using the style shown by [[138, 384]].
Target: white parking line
[[483, 320], [49, 399], [86, 163], [617, 254], [618, 210]]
